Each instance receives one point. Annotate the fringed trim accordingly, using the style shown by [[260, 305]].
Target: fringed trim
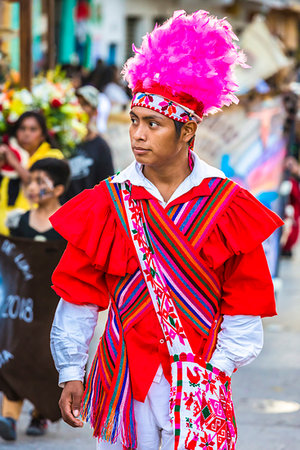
[[110, 413]]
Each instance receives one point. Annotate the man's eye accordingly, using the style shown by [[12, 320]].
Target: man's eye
[[133, 120], [153, 124]]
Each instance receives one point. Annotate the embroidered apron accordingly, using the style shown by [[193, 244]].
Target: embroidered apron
[[201, 407]]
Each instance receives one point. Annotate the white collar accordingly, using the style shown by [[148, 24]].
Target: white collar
[[201, 170]]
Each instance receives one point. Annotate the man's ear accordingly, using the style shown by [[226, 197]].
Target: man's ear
[[59, 190], [188, 131]]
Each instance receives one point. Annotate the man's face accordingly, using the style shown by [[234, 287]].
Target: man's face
[[153, 138]]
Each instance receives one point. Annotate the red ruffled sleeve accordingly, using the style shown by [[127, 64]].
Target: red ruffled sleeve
[[77, 281], [97, 244], [234, 250], [247, 287], [245, 224]]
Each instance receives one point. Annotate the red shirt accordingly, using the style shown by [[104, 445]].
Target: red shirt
[[99, 253]]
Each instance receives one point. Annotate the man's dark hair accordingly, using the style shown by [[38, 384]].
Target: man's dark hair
[[178, 127], [58, 170]]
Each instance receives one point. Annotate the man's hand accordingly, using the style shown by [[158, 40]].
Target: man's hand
[[70, 401]]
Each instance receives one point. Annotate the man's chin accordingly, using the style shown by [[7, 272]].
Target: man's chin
[[143, 159]]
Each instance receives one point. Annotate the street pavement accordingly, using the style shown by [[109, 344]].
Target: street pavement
[[266, 393]]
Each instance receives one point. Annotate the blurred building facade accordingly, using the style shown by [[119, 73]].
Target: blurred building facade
[[86, 30], [113, 25]]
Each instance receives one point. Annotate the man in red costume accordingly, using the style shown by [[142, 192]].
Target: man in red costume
[[174, 250]]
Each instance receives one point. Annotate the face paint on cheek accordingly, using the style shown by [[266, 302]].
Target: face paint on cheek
[[42, 192], [47, 191]]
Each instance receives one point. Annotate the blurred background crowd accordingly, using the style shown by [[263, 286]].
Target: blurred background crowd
[[62, 97], [50, 51]]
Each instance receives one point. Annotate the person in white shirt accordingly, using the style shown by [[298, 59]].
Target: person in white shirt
[[218, 285]]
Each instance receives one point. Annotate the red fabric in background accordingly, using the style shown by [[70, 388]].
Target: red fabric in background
[[82, 10], [294, 200]]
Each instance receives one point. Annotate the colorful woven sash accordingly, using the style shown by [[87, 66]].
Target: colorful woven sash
[[201, 407], [176, 238]]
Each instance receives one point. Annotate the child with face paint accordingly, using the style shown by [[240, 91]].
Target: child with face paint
[[48, 180]]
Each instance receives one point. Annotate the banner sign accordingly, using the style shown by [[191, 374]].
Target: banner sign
[[248, 145], [27, 307]]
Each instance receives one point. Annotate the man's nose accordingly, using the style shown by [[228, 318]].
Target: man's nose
[[139, 133]]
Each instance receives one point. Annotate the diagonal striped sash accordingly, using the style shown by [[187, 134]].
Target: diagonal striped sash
[[196, 218], [195, 287]]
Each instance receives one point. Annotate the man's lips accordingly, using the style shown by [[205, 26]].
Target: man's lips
[[140, 150]]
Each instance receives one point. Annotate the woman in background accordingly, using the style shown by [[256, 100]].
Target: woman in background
[[29, 142]]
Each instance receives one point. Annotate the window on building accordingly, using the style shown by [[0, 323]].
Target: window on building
[[131, 29], [159, 20]]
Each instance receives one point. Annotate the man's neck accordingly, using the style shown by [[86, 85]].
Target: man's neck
[[167, 178]]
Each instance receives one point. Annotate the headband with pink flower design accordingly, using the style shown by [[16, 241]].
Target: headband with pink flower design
[[164, 106]]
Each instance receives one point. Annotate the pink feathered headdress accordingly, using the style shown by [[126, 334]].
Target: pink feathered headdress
[[189, 60]]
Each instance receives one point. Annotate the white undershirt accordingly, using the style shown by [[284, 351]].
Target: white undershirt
[[239, 341]]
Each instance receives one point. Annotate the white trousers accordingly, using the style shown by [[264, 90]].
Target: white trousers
[[153, 427]]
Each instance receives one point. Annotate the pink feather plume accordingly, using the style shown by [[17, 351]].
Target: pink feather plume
[[189, 54]]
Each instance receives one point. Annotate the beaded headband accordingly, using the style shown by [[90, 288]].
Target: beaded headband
[[164, 106]]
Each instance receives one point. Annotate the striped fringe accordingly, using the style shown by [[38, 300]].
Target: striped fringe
[[110, 414]]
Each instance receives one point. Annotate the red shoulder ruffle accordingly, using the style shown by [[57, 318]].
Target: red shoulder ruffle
[[88, 223], [245, 224]]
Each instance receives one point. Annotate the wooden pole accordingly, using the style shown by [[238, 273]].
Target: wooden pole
[[5, 10], [51, 34], [26, 43]]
